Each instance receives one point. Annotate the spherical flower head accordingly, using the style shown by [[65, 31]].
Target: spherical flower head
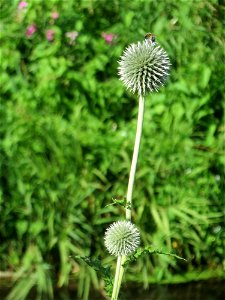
[[122, 238], [31, 29], [22, 5], [108, 37], [144, 67], [55, 15], [50, 35], [72, 35]]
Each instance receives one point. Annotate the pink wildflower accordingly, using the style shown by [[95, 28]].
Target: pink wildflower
[[50, 35], [108, 37], [31, 30], [55, 15], [72, 35], [22, 4]]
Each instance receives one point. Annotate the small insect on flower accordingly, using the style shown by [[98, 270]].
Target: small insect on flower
[[150, 36]]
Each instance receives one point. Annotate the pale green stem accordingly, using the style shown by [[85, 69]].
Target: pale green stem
[[116, 285], [121, 259], [135, 156]]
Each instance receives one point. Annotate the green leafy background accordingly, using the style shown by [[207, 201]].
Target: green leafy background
[[67, 133]]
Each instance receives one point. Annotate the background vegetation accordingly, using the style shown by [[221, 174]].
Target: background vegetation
[[67, 131]]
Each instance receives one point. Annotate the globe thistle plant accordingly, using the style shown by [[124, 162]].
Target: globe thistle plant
[[122, 238], [144, 67]]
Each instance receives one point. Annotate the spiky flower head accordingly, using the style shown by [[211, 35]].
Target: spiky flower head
[[122, 238], [144, 67]]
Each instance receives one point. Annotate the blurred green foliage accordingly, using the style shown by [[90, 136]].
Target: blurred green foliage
[[67, 133]]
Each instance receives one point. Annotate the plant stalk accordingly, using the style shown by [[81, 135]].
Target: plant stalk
[[135, 157], [118, 278], [122, 259]]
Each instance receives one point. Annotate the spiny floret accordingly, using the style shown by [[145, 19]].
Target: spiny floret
[[122, 238], [144, 67]]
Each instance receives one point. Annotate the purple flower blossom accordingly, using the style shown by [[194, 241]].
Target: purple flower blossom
[[72, 35], [108, 37], [22, 4], [31, 29], [55, 15], [50, 35]]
